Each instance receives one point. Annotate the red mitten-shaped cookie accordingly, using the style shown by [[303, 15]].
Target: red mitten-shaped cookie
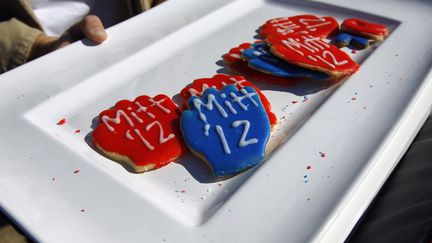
[[234, 53], [364, 28], [302, 24], [238, 66], [219, 81], [311, 52], [145, 133]]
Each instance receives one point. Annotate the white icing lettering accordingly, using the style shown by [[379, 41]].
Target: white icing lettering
[[293, 45], [238, 101], [286, 29], [276, 20], [146, 143], [230, 107], [206, 129], [313, 27], [211, 99], [243, 142], [158, 104], [247, 95], [129, 136], [336, 62], [321, 22], [333, 62], [162, 139], [237, 82], [257, 53], [106, 120], [134, 115], [315, 43], [221, 134], [312, 44], [142, 108], [194, 92], [312, 58], [236, 56]]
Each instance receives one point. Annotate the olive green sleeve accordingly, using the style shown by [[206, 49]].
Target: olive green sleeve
[[16, 43]]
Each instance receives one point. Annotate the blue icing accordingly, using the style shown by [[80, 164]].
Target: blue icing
[[345, 39], [230, 128], [259, 57]]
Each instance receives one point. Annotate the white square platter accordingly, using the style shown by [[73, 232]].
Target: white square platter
[[59, 189]]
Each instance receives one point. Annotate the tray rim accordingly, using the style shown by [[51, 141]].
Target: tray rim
[[329, 233]]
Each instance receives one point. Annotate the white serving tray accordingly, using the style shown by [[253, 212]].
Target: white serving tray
[[58, 188]]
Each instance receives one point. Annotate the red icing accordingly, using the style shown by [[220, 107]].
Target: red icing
[[218, 81], [311, 52], [146, 132], [301, 24], [237, 65], [364, 28], [234, 54], [61, 122]]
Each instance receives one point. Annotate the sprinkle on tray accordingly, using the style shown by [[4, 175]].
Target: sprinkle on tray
[[77, 131], [323, 154], [76, 171], [61, 122]]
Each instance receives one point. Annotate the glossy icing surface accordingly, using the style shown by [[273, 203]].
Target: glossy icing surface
[[364, 28], [229, 128], [260, 58], [311, 52], [219, 81], [300, 24], [345, 39], [234, 53], [237, 65], [145, 130]]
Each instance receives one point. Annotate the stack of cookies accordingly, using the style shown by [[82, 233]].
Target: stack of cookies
[[292, 49]]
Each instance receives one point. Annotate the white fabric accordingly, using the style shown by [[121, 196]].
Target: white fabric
[[56, 16]]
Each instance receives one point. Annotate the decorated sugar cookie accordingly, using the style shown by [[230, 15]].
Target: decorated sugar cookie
[[301, 24], [227, 128], [237, 65], [345, 39], [235, 53], [144, 133], [260, 58], [364, 28], [218, 81], [313, 53]]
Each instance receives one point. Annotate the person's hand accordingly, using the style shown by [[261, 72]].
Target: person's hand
[[90, 27]]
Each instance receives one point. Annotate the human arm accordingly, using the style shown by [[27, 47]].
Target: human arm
[[20, 43]]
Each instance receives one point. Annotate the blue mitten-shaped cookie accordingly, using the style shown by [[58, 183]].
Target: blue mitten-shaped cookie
[[260, 58], [229, 129], [345, 39]]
